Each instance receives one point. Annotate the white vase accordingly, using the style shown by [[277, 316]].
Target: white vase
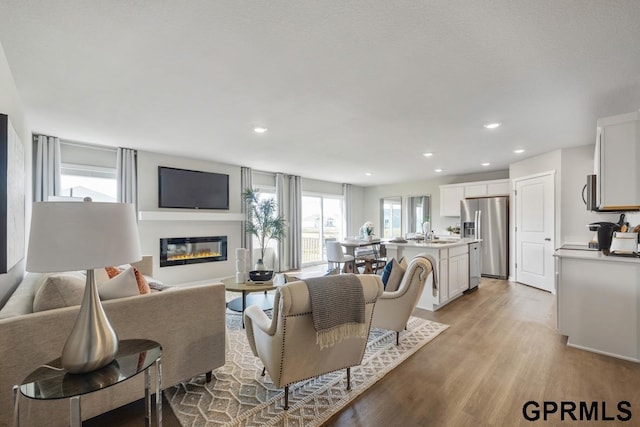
[[260, 266]]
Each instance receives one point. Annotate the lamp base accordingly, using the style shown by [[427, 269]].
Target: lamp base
[[92, 343]]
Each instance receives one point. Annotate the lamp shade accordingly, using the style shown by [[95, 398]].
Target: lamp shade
[[68, 236]]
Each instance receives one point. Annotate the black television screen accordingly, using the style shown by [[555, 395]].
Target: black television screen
[[181, 188]]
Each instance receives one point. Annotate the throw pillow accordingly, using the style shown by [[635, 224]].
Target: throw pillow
[[403, 263], [59, 290], [122, 285], [397, 272], [112, 271], [143, 285], [386, 272]]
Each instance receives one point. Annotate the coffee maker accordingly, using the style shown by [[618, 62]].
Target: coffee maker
[[604, 233]]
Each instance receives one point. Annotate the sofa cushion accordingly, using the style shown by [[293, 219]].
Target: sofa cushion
[[59, 290], [21, 300]]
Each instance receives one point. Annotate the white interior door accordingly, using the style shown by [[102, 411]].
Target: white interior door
[[535, 227]]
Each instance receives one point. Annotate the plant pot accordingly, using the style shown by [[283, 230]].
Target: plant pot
[[260, 275]]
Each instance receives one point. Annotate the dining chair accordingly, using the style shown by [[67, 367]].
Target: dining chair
[[335, 255]]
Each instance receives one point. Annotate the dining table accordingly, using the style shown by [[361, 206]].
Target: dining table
[[351, 245], [370, 260]]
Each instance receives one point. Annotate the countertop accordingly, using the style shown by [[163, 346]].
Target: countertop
[[445, 243], [594, 256]]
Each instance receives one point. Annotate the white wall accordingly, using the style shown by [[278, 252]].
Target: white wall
[[11, 105], [152, 231], [372, 196]]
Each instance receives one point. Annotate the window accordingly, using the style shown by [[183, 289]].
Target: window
[[88, 171], [265, 193], [391, 217], [321, 220], [100, 184]]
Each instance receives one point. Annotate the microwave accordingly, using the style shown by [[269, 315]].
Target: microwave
[[590, 197], [591, 193]]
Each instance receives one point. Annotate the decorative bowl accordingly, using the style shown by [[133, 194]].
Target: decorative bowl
[[260, 275]]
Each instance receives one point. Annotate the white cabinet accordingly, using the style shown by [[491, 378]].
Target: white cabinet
[[475, 190], [458, 270], [443, 282], [616, 162], [499, 187], [450, 195], [452, 270], [598, 304]]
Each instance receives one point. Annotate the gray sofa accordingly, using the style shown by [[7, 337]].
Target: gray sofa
[[188, 322]]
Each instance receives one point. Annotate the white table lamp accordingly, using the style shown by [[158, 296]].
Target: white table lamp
[[82, 236]]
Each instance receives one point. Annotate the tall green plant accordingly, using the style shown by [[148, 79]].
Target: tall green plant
[[263, 219]]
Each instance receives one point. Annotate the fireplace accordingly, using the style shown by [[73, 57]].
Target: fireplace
[[192, 250]]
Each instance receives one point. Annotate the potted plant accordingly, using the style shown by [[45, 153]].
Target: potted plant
[[265, 224]]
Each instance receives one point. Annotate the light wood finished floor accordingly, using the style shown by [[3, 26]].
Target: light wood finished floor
[[500, 351]]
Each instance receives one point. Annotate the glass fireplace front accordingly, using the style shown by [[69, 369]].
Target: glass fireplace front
[[192, 250]]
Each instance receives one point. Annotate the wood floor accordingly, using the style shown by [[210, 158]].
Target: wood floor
[[500, 351]]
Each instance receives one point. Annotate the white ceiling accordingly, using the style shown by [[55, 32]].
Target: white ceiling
[[344, 87]]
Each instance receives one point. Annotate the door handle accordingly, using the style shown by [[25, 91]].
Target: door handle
[[547, 239]]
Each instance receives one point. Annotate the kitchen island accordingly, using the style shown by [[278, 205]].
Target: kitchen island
[[599, 302], [452, 268]]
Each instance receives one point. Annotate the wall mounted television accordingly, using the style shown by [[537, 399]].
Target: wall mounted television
[[189, 189]]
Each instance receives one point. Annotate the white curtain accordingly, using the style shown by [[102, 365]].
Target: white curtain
[[295, 222], [47, 167], [289, 200], [246, 181], [347, 208], [127, 173]]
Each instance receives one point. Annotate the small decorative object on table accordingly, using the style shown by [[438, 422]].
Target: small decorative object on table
[[454, 230], [260, 275], [366, 231]]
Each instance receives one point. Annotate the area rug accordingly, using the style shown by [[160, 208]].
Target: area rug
[[239, 396]]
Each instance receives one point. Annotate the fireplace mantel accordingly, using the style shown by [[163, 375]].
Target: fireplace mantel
[[189, 216]]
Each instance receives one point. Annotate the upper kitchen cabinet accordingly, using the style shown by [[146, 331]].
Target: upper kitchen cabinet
[[617, 159], [450, 195]]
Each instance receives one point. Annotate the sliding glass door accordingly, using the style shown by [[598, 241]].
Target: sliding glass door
[[321, 219]]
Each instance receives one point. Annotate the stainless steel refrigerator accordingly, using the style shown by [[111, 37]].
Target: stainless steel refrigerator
[[488, 219]]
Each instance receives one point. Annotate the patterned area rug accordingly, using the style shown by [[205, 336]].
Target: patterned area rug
[[239, 396]]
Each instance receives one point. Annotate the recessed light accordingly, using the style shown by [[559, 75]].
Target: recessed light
[[367, 173], [427, 154], [486, 164], [438, 170], [492, 125], [259, 130], [518, 151]]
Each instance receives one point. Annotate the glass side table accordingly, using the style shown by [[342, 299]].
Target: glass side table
[[134, 356]]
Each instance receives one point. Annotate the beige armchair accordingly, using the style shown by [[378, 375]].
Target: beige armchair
[[394, 308], [287, 344]]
